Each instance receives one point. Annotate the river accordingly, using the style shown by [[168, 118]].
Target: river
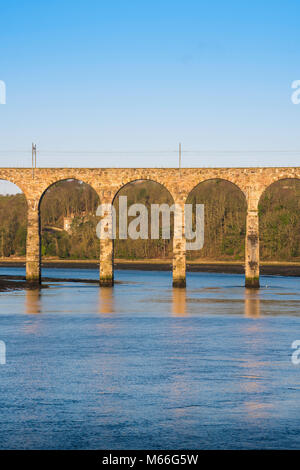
[[145, 366]]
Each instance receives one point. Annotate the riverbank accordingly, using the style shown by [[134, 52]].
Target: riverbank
[[230, 267]]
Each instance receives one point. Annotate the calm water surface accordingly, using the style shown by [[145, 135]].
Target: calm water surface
[[146, 366]]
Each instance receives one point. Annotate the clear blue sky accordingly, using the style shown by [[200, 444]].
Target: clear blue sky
[[140, 76]]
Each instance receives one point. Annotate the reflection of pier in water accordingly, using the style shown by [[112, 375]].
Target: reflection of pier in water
[[106, 300], [33, 301], [179, 302], [252, 303], [256, 377]]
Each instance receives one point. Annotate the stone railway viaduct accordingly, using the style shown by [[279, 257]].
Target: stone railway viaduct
[[107, 182]]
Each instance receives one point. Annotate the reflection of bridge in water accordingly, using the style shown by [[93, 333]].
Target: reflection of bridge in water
[[107, 182], [178, 302]]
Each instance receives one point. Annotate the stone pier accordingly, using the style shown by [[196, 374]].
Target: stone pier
[[252, 250], [179, 263], [33, 244], [106, 262], [179, 248]]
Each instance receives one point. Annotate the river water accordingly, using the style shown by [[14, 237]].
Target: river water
[[145, 366]]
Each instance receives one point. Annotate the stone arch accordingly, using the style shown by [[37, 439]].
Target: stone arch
[[225, 210], [54, 230], [273, 181], [147, 191], [107, 245], [276, 236], [177, 246], [217, 178], [273, 176], [145, 179], [62, 180], [17, 182]]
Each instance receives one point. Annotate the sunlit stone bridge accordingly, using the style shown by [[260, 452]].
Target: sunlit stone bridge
[[107, 182]]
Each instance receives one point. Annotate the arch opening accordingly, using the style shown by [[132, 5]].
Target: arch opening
[[145, 192], [279, 221], [67, 218], [225, 211], [13, 221]]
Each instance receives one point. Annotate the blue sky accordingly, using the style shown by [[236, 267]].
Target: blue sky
[[138, 77]]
